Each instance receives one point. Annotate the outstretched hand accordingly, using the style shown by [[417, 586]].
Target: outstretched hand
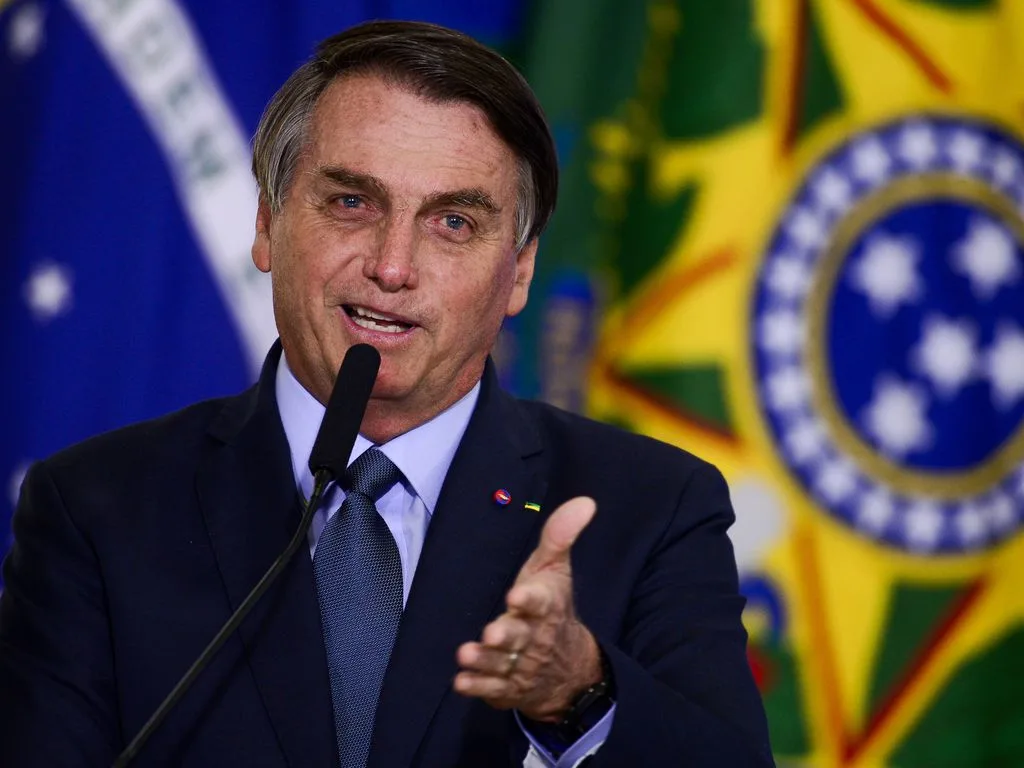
[[537, 655]]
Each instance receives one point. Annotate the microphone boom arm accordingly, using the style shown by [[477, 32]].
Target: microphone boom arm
[[320, 483]]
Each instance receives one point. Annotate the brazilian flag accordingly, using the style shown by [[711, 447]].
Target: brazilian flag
[[790, 239]]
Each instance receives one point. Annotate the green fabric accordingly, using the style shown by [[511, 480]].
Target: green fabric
[[582, 59], [962, 5], [978, 718], [914, 616], [822, 93], [698, 392], [582, 64], [716, 72], [783, 703], [650, 229]]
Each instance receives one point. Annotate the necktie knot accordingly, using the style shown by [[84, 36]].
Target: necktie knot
[[371, 475]]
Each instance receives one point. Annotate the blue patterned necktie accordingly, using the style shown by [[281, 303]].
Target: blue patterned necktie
[[359, 585]]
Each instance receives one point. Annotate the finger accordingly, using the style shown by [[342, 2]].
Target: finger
[[534, 599], [497, 690], [560, 533], [507, 632], [474, 657]]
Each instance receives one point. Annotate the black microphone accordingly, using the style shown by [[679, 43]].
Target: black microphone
[[327, 461], [345, 411]]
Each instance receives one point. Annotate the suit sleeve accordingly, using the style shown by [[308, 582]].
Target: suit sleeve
[[685, 694], [56, 661]]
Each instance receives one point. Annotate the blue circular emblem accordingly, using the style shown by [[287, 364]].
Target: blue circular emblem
[[888, 333]]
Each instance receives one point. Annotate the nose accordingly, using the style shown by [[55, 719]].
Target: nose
[[392, 264]]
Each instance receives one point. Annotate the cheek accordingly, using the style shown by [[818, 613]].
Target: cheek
[[304, 273], [483, 308], [290, 284]]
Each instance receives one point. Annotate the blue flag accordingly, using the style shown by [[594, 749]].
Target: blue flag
[[127, 206]]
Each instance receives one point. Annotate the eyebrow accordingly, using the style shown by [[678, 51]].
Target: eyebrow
[[472, 197], [465, 198], [346, 178]]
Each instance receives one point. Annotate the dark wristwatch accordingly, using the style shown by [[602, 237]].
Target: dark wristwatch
[[585, 711]]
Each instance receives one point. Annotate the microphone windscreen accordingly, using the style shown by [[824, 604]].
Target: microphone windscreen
[[345, 410]]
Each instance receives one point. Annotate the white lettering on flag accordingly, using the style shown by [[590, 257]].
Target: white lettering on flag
[[158, 57]]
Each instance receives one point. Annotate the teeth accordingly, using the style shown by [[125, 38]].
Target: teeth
[[376, 325], [374, 321], [362, 312]]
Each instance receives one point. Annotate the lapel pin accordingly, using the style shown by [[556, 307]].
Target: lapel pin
[[502, 497], [533, 506]]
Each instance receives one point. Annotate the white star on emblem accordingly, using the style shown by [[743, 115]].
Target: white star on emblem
[[886, 273], [836, 480], [1001, 513], [788, 389], [875, 510], [966, 150], [917, 145], [946, 353], [789, 278], [970, 525], [923, 523], [25, 32], [1004, 365], [48, 291], [806, 228], [987, 256], [782, 332], [805, 440], [897, 417], [870, 161], [832, 191], [14, 486], [1005, 167]]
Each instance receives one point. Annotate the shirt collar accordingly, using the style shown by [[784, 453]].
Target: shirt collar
[[423, 454]]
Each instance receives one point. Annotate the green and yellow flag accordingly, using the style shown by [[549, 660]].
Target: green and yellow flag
[[791, 240]]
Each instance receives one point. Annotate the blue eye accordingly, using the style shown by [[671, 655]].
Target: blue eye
[[454, 222], [350, 201]]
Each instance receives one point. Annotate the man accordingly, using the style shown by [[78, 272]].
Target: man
[[406, 174]]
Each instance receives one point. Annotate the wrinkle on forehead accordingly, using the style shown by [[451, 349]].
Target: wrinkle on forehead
[[363, 122], [415, 111]]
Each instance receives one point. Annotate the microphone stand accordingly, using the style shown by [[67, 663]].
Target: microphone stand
[[321, 480], [327, 461]]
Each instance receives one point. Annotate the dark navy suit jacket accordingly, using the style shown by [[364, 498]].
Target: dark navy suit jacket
[[131, 550]]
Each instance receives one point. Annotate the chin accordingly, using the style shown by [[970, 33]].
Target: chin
[[388, 388]]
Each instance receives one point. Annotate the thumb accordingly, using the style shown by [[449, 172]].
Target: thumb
[[560, 533]]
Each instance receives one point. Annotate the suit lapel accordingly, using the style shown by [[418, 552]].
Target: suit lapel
[[251, 509], [472, 552]]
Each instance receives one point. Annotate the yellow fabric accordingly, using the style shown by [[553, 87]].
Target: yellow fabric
[[697, 309]]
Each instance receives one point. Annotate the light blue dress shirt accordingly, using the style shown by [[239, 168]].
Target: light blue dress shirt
[[424, 455]]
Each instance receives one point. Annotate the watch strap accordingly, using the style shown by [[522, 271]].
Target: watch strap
[[585, 711]]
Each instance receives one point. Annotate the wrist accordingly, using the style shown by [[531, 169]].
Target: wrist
[[594, 668], [586, 709]]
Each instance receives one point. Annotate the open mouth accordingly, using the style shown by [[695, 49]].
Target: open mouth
[[375, 321]]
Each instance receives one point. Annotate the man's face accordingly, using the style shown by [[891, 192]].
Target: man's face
[[398, 231]]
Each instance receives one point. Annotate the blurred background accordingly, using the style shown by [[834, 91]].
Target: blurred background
[[789, 239]]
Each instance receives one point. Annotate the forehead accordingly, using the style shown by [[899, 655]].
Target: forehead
[[368, 125]]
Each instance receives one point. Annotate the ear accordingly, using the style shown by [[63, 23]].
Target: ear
[[525, 260], [261, 243]]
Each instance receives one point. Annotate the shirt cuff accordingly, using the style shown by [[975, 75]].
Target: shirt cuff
[[584, 746]]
